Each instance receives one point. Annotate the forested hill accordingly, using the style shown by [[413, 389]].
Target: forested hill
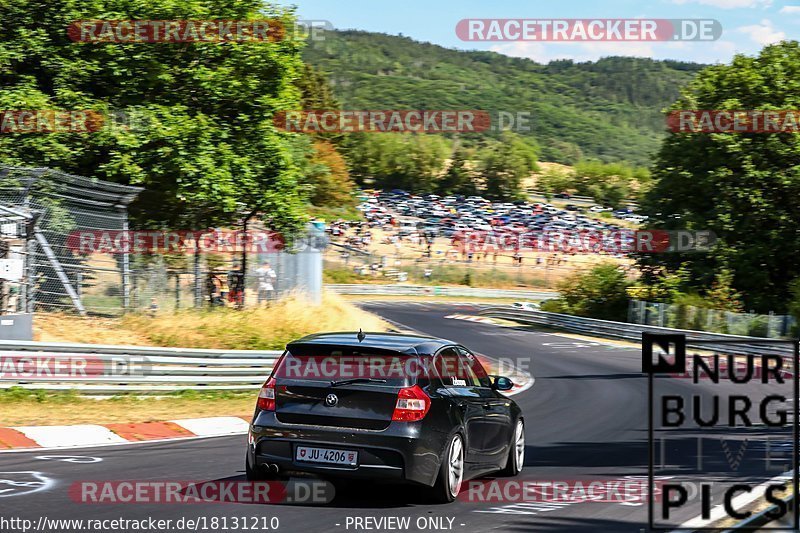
[[609, 109]]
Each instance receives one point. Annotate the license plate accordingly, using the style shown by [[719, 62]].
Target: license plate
[[326, 455]]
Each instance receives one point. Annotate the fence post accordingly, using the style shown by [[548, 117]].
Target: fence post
[[198, 288], [126, 264], [134, 291], [177, 290]]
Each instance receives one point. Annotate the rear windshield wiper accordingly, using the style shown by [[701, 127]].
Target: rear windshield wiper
[[356, 380]]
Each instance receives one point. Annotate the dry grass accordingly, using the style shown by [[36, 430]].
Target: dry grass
[[253, 329], [56, 327]]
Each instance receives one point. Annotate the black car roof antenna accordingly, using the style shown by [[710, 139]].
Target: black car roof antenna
[[361, 336]]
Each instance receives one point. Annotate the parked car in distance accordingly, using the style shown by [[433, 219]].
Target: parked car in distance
[[526, 306]]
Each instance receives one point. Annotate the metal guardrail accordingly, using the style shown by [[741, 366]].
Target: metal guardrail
[[94, 368], [425, 290], [734, 344], [761, 519]]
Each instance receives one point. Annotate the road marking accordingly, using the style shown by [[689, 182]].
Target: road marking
[[472, 318], [573, 344], [79, 459], [15, 483]]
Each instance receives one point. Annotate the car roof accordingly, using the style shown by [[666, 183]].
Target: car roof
[[399, 342]]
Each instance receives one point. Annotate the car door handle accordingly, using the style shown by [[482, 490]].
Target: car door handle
[[487, 405]]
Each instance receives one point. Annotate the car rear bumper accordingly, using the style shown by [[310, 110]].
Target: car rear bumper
[[399, 452]]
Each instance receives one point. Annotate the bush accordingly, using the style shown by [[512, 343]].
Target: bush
[[554, 305], [597, 293]]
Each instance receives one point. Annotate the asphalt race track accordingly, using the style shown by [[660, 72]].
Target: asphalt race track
[[586, 419]]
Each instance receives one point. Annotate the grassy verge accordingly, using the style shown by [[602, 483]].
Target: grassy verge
[[20, 407], [451, 275], [431, 299]]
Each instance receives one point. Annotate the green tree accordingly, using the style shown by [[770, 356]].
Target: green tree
[[743, 187], [328, 177], [504, 164], [554, 181], [609, 183], [459, 178], [722, 294], [315, 91], [203, 144], [600, 292], [413, 162]]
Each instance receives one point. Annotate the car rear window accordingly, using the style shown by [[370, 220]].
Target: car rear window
[[314, 363]]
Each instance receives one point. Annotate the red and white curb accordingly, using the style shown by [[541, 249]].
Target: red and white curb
[[33, 437]]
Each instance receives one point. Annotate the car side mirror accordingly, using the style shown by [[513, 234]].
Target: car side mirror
[[502, 383]]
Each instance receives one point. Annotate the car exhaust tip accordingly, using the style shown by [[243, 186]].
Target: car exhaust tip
[[274, 468]]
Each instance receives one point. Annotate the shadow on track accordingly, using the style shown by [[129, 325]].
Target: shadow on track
[[589, 454]]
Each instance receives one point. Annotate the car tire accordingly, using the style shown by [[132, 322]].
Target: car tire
[[451, 471], [516, 451], [254, 473]]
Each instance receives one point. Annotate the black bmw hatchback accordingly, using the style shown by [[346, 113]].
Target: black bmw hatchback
[[384, 406]]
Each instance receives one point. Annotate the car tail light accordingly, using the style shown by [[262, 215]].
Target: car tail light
[[266, 396], [412, 405]]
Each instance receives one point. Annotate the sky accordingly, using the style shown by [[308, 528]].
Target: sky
[[747, 25]]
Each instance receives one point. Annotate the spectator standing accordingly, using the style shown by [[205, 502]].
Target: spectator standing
[[266, 281]]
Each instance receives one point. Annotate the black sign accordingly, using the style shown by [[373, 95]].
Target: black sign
[[723, 431]]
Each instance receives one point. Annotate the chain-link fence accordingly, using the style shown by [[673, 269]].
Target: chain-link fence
[[166, 282], [713, 320], [59, 206], [78, 254]]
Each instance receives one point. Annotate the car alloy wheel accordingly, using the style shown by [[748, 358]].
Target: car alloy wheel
[[519, 445], [456, 466]]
